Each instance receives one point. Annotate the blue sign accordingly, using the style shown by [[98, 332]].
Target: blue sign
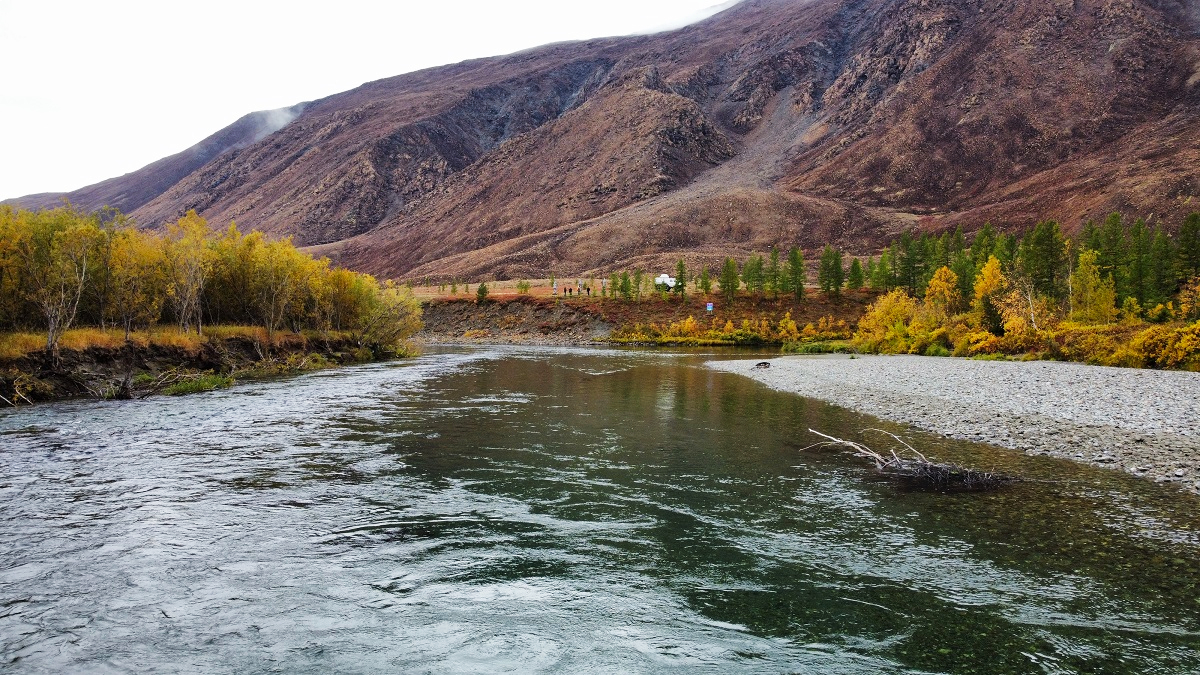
[[710, 307]]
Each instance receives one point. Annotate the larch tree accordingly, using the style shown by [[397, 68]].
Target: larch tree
[[704, 281], [773, 274], [830, 274], [1042, 260], [990, 285], [1094, 300], [12, 290], [855, 279], [796, 272], [728, 281], [752, 274], [881, 278], [942, 293], [1189, 247]]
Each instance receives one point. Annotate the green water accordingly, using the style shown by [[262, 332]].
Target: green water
[[563, 511]]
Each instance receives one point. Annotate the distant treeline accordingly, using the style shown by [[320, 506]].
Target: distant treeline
[[63, 267], [1145, 264], [774, 274], [1090, 299]]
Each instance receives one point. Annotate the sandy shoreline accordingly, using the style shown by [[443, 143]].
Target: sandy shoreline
[[1144, 422]]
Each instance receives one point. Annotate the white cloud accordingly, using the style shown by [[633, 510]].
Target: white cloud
[[96, 89]]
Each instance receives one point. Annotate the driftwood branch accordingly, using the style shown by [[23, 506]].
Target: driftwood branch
[[919, 471]]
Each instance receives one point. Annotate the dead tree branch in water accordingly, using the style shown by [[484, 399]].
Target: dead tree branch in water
[[920, 472]]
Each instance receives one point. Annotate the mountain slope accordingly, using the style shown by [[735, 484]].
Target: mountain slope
[[776, 122], [135, 189]]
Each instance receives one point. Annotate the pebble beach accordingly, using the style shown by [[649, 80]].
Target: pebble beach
[[1144, 422]]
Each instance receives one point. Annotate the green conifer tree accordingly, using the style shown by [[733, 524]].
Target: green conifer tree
[[1043, 258], [728, 281], [1189, 248], [1162, 269], [704, 283], [1138, 263], [983, 246], [830, 273], [854, 280], [796, 273], [881, 278], [752, 274], [773, 274]]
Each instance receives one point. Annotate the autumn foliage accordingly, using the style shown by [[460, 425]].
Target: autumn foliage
[[1046, 296], [62, 268]]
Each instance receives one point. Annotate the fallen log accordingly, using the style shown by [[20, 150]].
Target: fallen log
[[918, 471]]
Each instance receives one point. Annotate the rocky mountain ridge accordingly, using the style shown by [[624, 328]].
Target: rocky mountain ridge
[[776, 122]]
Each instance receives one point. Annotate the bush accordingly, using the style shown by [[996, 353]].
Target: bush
[[1166, 347], [936, 350], [884, 328], [201, 383], [817, 348]]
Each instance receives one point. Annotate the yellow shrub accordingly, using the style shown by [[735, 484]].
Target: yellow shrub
[[884, 328], [787, 328], [1167, 347]]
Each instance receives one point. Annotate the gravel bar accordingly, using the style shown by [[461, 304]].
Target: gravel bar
[[1145, 422]]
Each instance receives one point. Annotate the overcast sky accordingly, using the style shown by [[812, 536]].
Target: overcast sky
[[97, 88]]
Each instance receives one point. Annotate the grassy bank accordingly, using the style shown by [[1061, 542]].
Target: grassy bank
[[100, 363]]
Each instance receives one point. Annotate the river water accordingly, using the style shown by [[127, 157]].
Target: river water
[[543, 510]]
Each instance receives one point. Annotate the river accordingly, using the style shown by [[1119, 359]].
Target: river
[[561, 510]]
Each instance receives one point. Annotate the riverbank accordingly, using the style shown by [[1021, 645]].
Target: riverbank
[[520, 320], [1144, 422], [185, 364], [657, 320]]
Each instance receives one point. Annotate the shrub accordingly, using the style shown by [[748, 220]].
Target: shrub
[[1166, 347], [884, 328], [817, 348], [204, 382], [936, 350]]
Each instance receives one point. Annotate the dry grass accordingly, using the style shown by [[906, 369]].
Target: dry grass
[[16, 345], [255, 333], [83, 338]]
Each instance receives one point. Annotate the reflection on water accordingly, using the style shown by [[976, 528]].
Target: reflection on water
[[560, 510]]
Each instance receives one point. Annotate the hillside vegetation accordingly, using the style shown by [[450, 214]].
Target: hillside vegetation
[[1120, 294]]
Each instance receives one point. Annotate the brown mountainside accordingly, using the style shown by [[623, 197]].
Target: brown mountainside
[[135, 189], [775, 122]]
